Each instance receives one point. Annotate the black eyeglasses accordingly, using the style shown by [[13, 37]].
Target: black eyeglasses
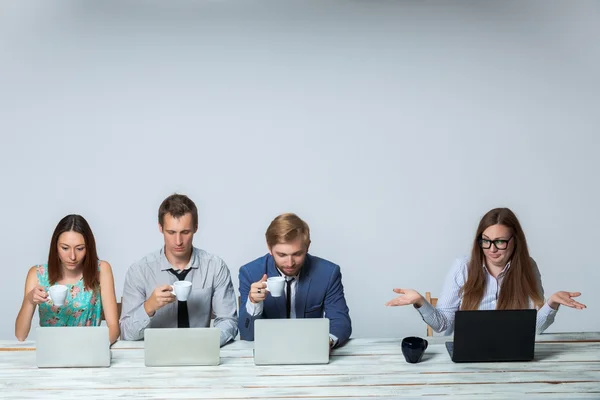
[[500, 244]]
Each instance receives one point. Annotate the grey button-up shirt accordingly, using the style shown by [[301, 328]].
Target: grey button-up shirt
[[212, 292]]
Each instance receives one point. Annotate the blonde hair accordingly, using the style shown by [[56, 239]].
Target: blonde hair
[[286, 228]]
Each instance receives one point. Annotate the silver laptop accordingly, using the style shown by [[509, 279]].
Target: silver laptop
[[72, 346], [291, 341], [182, 346]]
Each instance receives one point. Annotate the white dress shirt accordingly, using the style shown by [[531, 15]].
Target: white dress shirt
[[441, 318]]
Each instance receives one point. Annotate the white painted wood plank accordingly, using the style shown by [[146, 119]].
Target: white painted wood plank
[[365, 368], [363, 342], [436, 357], [451, 391]]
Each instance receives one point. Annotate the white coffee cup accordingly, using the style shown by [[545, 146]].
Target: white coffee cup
[[275, 285], [182, 289], [58, 294]]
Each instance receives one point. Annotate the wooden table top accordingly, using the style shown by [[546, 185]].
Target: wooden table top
[[566, 366]]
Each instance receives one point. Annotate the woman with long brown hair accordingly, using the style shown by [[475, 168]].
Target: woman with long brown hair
[[73, 263], [499, 275]]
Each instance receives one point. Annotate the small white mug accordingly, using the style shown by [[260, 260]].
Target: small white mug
[[275, 285], [58, 295], [182, 289]]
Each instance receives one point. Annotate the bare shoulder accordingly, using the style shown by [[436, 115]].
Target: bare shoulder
[[32, 278], [32, 271], [105, 267]]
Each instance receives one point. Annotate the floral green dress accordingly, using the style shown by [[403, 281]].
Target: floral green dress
[[82, 307]]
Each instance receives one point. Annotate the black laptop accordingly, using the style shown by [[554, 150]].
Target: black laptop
[[493, 335]]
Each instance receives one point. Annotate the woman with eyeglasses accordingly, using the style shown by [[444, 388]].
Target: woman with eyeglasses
[[499, 275]]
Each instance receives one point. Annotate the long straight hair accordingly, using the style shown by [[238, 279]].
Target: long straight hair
[[519, 285], [75, 223]]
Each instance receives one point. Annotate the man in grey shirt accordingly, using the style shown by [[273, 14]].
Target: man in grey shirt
[[147, 298]]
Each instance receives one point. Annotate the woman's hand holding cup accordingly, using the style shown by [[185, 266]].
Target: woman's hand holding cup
[[37, 295]]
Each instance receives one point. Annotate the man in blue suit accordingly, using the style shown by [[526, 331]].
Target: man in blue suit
[[313, 287]]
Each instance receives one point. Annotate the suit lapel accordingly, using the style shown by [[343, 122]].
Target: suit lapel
[[302, 288], [279, 301]]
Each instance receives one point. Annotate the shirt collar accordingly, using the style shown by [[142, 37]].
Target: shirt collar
[[286, 277], [165, 265], [502, 273]]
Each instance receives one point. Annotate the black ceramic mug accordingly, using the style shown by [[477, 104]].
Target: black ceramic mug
[[413, 348]]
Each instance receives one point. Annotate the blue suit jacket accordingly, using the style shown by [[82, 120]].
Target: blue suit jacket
[[319, 294]]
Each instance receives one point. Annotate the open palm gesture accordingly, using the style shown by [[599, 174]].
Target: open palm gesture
[[566, 299], [407, 297]]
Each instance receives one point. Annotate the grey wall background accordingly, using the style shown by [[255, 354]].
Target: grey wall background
[[390, 126]]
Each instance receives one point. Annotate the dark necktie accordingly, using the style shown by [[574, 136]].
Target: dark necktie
[[183, 319], [288, 297]]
